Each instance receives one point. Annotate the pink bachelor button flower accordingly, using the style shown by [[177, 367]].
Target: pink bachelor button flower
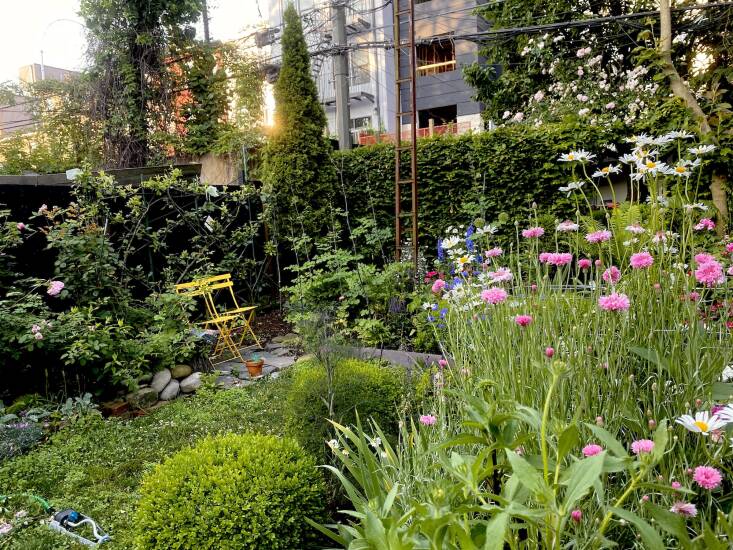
[[705, 223], [703, 258], [501, 275], [584, 263], [549, 352], [610, 105], [641, 260], [443, 363], [523, 320], [707, 477], [494, 252], [710, 273], [598, 236], [592, 450], [55, 288], [612, 275], [21, 226], [614, 302], [560, 258], [533, 233], [544, 257], [729, 247], [438, 285], [676, 485], [642, 446], [576, 515], [685, 509], [494, 295], [427, 419]]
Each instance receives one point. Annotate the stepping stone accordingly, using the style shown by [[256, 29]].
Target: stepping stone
[[274, 375], [226, 381], [269, 370], [274, 345], [280, 362], [281, 352]]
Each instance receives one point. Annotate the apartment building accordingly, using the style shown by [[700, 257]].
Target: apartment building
[[443, 97]]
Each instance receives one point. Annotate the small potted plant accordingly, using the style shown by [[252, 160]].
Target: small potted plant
[[254, 366]]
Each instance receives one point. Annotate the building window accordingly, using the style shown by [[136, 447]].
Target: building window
[[361, 123], [437, 57], [359, 67], [441, 116]]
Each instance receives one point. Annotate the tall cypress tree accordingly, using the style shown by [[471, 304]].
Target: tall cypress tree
[[298, 173]]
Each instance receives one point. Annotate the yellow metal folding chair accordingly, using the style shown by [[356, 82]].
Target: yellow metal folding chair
[[232, 324]]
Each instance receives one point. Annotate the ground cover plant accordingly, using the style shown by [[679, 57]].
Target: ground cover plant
[[96, 465], [585, 397]]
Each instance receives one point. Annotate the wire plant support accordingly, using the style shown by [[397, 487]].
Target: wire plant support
[[405, 100]]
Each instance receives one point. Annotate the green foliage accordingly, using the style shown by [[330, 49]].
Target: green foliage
[[17, 438], [96, 466], [298, 174], [472, 176], [235, 491], [366, 389], [365, 302]]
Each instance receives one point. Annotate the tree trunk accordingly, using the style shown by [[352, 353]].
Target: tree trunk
[[680, 89]]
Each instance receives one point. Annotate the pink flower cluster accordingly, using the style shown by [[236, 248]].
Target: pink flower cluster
[[584, 263], [598, 236], [428, 419], [438, 285], [614, 302], [592, 450], [494, 252], [523, 320], [641, 260], [533, 233], [707, 477], [501, 275], [612, 275], [494, 295], [556, 258], [642, 446], [55, 288], [705, 223], [709, 271]]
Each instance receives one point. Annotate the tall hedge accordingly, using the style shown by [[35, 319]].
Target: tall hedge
[[474, 175]]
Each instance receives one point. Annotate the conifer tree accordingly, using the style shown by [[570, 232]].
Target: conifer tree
[[298, 173]]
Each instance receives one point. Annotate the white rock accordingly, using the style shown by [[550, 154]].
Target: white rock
[[191, 383], [170, 391], [161, 380]]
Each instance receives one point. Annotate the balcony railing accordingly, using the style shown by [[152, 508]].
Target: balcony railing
[[436, 68], [369, 137]]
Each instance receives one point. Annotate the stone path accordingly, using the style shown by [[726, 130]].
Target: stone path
[[278, 355]]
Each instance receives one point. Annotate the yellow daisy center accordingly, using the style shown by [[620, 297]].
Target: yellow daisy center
[[571, 156], [650, 164], [679, 169], [605, 170], [702, 425]]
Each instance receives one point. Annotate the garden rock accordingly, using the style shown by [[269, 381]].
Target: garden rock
[[161, 380], [268, 370], [226, 381], [142, 398], [170, 391], [282, 351], [181, 371], [191, 383]]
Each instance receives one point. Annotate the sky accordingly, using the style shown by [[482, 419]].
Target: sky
[[53, 26]]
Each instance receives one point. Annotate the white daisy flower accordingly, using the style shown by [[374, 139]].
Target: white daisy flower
[[701, 149], [606, 171], [702, 423], [572, 186], [573, 156], [727, 374]]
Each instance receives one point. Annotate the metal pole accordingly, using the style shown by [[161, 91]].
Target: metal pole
[[341, 74], [413, 133], [205, 14]]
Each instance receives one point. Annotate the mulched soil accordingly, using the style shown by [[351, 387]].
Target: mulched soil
[[270, 324]]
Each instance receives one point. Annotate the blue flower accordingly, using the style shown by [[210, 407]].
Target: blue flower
[[443, 312], [441, 252], [430, 318], [469, 242], [434, 307]]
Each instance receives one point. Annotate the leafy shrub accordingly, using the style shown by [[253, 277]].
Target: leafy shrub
[[358, 386], [252, 491]]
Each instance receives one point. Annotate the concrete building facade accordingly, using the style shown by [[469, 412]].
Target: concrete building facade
[[443, 97]]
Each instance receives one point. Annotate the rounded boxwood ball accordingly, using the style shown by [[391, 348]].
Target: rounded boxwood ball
[[229, 492]]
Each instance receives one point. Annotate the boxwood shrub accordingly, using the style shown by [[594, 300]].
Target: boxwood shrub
[[373, 390], [232, 491]]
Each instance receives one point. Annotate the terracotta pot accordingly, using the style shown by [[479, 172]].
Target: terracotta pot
[[255, 367]]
